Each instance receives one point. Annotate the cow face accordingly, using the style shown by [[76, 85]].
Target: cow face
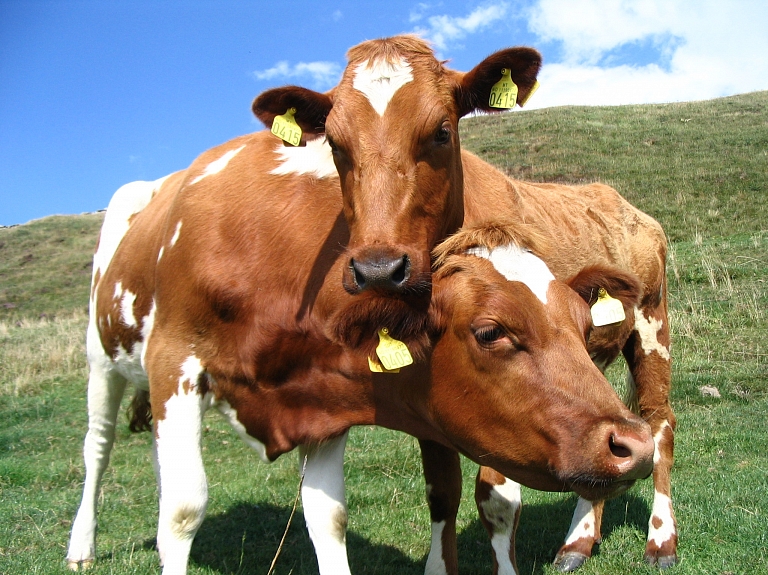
[[392, 125], [515, 375]]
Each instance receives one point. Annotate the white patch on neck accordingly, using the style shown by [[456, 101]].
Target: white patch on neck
[[518, 265], [218, 165], [315, 159], [648, 328], [381, 80]]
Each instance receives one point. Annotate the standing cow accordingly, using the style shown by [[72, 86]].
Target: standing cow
[[219, 287], [392, 128]]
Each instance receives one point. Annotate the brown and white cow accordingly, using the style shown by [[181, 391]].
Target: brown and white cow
[[219, 287], [392, 124]]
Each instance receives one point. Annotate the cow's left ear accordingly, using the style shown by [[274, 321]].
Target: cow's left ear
[[619, 284], [473, 91], [311, 107]]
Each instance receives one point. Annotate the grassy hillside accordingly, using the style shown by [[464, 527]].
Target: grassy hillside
[[700, 168]]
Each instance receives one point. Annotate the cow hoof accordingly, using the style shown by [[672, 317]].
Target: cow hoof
[[661, 561], [83, 565], [570, 561]]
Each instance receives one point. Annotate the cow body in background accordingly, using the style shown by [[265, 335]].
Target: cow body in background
[[219, 286], [392, 126]]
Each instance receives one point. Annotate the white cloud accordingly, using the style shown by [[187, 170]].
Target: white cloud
[[444, 30], [318, 74], [718, 49]]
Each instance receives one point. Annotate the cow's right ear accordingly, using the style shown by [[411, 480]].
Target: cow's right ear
[[621, 285], [473, 91], [311, 107]]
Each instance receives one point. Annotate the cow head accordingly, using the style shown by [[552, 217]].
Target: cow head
[[392, 126], [515, 376]]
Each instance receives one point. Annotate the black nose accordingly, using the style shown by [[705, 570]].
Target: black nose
[[381, 272]]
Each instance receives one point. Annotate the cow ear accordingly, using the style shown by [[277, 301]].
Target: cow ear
[[474, 87], [621, 285], [311, 107]]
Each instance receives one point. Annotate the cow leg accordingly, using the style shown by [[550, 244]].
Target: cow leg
[[583, 535], [105, 391], [647, 354], [442, 475], [183, 485], [499, 502], [325, 506]]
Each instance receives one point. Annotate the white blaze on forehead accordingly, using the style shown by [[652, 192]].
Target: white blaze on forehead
[[218, 165], [518, 265], [381, 80], [314, 159], [648, 330]]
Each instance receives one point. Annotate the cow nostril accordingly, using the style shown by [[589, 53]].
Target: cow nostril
[[619, 450], [400, 273], [359, 277], [384, 273]]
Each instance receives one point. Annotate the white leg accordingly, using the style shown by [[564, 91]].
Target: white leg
[[502, 511], [105, 390], [183, 485], [325, 507]]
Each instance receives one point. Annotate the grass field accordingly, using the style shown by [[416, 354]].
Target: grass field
[[700, 168]]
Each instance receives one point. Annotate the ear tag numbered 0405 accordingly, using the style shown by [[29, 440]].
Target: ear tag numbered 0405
[[392, 354], [503, 92], [607, 310], [286, 128]]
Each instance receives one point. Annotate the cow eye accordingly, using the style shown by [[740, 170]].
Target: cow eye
[[486, 335], [331, 143], [443, 135]]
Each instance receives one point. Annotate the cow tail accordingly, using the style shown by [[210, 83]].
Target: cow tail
[[140, 412]]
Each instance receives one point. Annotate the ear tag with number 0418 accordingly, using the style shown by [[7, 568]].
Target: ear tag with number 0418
[[504, 92], [286, 128], [393, 354], [606, 310]]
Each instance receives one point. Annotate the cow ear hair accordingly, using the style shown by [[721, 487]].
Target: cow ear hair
[[473, 91], [621, 285], [312, 107]]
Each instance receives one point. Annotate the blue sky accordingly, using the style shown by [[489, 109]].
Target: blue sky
[[97, 93]]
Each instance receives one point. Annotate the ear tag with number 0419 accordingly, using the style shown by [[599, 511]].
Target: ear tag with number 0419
[[504, 92], [606, 310], [286, 128], [393, 354], [523, 101]]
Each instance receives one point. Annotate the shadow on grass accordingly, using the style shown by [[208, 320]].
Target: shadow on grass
[[244, 539]]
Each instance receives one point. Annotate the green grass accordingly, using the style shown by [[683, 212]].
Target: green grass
[[704, 179]]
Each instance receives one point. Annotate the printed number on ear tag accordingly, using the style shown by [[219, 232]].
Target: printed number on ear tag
[[504, 92], [392, 353], [607, 310], [286, 128]]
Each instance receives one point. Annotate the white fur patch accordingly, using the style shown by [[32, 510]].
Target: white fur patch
[[315, 159], [176, 234], [128, 200], [500, 510], [648, 330], [662, 510], [657, 439], [381, 80], [520, 265], [231, 416], [126, 308], [435, 562], [583, 522], [218, 165]]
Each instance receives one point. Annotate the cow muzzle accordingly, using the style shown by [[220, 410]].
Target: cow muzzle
[[378, 272]]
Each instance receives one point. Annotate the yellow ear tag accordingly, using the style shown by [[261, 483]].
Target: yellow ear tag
[[376, 367], [504, 92], [606, 310], [524, 101], [392, 353], [286, 128]]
